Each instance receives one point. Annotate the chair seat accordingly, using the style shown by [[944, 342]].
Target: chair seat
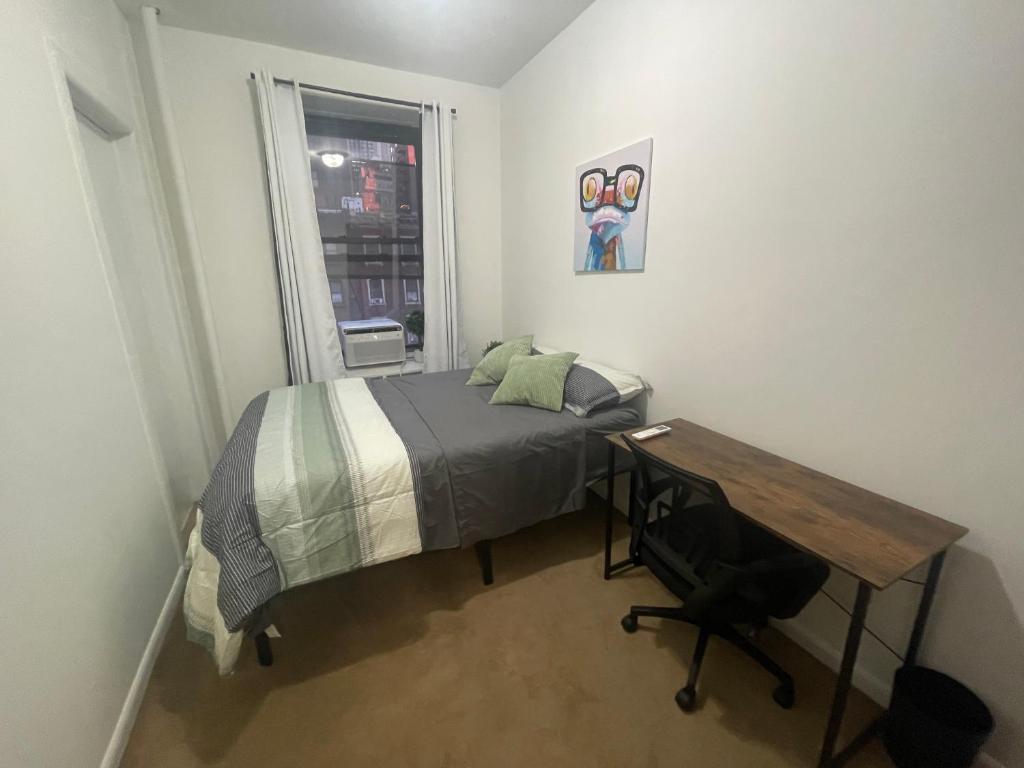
[[682, 557]]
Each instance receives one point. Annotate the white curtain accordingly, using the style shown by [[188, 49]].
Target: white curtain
[[314, 349], [444, 347]]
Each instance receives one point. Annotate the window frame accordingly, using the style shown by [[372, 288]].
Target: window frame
[[419, 291], [372, 302], [339, 293]]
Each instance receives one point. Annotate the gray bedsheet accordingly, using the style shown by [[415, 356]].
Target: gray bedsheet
[[484, 470]]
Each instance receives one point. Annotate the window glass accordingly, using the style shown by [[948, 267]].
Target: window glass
[[412, 291], [366, 182]]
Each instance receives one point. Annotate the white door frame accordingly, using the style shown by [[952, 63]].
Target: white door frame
[[80, 92]]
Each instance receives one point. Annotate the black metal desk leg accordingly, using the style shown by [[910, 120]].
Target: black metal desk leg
[[609, 512], [631, 507], [835, 719], [930, 585]]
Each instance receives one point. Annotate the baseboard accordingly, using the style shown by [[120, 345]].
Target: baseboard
[[123, 728]]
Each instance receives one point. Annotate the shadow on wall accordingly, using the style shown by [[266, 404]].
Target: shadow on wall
[[260, 158], [976, 635]]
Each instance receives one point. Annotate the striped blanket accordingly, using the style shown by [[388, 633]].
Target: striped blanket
[[321, 479], [314, 481]]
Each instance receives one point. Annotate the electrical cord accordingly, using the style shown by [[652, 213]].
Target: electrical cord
[[867, 629], [912, 581]]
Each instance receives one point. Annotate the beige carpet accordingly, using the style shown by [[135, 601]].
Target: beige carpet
[[416, 663]]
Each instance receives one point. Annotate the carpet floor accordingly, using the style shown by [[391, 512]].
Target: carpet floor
[[416, 663]]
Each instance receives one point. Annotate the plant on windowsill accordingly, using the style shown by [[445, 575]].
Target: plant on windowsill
[[414, 323]]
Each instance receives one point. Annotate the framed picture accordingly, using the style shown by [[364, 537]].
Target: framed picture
[[611, 210]]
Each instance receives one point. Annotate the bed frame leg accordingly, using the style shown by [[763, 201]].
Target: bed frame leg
[[483, 552], [264, 653]]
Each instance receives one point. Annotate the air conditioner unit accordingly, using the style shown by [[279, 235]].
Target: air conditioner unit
[[377, 341]]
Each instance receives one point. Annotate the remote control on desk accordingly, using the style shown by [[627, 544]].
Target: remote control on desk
[[647, 434]]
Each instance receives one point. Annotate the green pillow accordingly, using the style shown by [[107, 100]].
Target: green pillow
[[537, 380], [491, 369]]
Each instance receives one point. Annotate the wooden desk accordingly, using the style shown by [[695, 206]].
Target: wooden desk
[[874, 539]]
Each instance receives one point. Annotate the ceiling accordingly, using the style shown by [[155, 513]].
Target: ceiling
[[479, 41]]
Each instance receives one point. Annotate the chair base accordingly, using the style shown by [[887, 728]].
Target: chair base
[[686, 698], [784, 694]]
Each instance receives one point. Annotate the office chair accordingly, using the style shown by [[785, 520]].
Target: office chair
[[726, 569]]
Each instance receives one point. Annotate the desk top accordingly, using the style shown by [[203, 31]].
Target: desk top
[[873, 538]]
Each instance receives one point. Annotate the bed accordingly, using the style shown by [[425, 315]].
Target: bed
[[321, 479]]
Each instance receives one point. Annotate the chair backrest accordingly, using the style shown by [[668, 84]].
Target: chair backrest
[[725, 520]]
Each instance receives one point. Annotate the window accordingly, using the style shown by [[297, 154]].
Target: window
[[366, 182], [412, 291], [375, 293]]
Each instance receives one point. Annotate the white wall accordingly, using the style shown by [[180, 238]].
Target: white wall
[[835, 264], [218, 126], [89, 493]]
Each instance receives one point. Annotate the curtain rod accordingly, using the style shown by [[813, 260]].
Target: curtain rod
[[352, 94]]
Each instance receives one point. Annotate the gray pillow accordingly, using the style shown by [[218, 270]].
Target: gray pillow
[[592, 386], [587, 391]]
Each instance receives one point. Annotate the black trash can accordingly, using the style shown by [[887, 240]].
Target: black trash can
[[934, 721]]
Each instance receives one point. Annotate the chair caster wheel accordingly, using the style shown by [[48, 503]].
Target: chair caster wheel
[[686, 698], [784, 696], [629, 623]]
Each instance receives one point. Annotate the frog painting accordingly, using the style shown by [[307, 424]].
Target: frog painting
[[611, 219]]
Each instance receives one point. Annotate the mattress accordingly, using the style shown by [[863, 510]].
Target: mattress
[[505, 466], [325, 478]]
